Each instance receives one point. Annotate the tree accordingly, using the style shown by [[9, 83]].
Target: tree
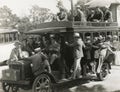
[[7, 19], [39, 15], [24, 24]]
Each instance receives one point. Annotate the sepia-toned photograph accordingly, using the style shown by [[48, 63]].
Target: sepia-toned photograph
[[59, 45]]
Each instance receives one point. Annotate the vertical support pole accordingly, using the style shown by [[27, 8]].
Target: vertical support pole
[[72, 13], [83, 36], [118, 35], [91, 35]]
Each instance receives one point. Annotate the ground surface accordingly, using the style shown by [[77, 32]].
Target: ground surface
[[111, 84]]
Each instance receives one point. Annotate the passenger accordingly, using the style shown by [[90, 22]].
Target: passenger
[[54, 48], [79, 16], [16, 53], [34, 42], [104, 48], [54, 17], [78, 46], [62, 15], [24, 48], [108, 15], [91, 16], [96, 50], [116, 46], [30, 47], [115, 42], [98, 17], [39, 62], [110, 49], [88, 54]]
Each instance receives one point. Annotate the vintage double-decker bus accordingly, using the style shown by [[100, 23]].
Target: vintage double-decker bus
[[43, 80]]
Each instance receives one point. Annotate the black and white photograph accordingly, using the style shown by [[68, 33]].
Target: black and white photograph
[[59, 45]]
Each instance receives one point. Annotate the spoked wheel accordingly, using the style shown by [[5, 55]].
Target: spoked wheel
[[14, 89], [9, 88], [6, 87], [42, 84], [104, 72]]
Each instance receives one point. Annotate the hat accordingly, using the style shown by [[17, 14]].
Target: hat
[[88, 37], [17, 43], [52, 36], [30, 37], [78, 6], [100, 37], [115, 37], [109, 36], [37, 49], [76, 35]]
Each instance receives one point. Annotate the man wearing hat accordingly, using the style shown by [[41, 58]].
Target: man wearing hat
[[62, 15], [30, 46], [88, 54], [78, 54], [79, 16], [16, 53], [116, 46], [107, 15], [78, 46], [54, 48]]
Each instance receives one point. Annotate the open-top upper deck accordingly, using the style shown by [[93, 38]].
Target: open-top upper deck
[[61, 26]]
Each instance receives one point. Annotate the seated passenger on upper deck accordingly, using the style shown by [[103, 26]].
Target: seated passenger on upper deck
[[107, 15], [62, 15], [79, 15], [90, 16], [98, 16]]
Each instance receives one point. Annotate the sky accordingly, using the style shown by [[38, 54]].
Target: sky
[[22, 7]]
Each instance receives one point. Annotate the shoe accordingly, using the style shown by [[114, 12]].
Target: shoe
[[109, 72], [70, 78]]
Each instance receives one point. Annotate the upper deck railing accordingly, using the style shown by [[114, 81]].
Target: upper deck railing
[[70, 24], [94, 24], [54, 26]]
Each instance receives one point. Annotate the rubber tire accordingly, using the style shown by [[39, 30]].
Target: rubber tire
[[14, 89], [99, 75], [4, 85], [37, 79]]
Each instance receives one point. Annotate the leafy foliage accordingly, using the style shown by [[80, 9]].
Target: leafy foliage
[[39, 15], [7, 19]]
